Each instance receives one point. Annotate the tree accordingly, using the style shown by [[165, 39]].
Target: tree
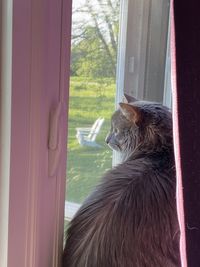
[[94, 38]]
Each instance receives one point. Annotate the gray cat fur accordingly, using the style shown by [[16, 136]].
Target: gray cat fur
[[130, 219]]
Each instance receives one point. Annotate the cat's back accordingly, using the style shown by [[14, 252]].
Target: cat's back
[[127, 221]]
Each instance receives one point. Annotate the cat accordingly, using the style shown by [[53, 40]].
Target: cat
[[130, 219]]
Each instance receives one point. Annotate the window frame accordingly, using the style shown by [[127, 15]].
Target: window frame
[[34, 80]]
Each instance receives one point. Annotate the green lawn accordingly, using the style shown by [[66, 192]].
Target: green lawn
[[89, 99]]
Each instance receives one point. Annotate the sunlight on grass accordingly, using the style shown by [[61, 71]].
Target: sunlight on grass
[[89, 99]]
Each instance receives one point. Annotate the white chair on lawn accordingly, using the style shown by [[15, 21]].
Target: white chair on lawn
[[87, 136]]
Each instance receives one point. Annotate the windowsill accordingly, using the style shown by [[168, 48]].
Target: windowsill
[[70, 209]]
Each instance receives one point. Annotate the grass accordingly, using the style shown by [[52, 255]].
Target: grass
[[89, 99]]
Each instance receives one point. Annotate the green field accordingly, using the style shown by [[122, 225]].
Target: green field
[[89, 99]]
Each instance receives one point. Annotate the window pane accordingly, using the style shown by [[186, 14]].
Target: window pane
[[92, 95]]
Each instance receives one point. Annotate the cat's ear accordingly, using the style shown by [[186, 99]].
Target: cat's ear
[[129, 99], [131, 113]]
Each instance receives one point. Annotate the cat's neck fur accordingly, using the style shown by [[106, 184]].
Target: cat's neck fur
[[162, 150]]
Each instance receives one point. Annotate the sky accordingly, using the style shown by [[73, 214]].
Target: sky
[[86, 19]]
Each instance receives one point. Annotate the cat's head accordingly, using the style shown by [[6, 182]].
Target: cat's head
[[140, 125]]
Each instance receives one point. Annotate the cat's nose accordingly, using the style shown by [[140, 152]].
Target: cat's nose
[[107, 138]]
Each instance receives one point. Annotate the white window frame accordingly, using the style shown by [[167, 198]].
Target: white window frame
[[28, 192], [136, 52]]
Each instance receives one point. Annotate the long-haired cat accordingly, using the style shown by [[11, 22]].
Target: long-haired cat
[[130, 219]]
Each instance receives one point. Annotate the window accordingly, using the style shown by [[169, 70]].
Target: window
[[33, 64], [143, 70], [33, 59], [94, 49]]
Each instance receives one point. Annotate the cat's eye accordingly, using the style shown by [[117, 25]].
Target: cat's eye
[[116, 131]]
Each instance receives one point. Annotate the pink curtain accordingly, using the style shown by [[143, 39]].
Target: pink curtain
[[185, 47]]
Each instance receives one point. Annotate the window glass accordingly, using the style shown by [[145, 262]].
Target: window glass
[[143, 71], [92, 95]]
